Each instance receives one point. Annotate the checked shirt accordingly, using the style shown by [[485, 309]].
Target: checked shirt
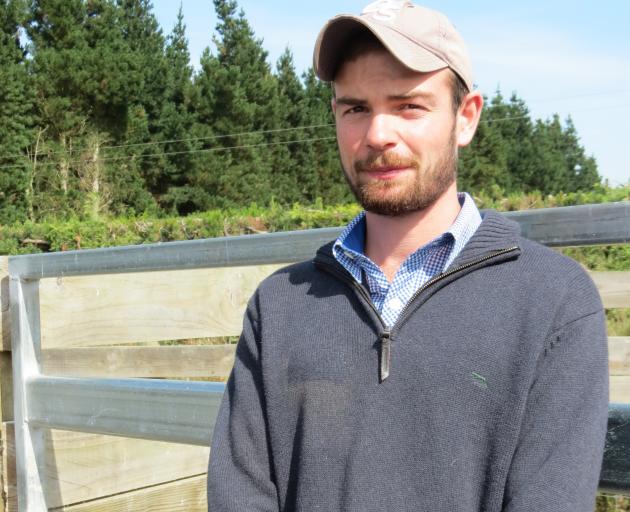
[[425, 263]]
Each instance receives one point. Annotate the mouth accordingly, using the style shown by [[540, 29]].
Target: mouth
[[385, 173]]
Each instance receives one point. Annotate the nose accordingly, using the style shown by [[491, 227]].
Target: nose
[[381, 132]]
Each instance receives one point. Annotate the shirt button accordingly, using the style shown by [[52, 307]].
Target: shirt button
[[395, 304]]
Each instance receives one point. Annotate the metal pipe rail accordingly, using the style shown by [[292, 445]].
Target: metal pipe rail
[[595, 224], [175, 411], [185, 412]]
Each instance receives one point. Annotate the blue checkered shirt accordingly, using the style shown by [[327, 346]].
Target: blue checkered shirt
[[428, 261]]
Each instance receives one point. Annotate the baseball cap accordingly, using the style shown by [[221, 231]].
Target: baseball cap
[[422, 39]]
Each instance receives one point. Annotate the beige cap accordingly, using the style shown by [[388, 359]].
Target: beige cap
[[422, 39]]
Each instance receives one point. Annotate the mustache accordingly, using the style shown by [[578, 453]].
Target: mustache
[[378, 161]]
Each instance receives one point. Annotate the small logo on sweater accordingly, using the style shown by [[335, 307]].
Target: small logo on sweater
[[479, 380]]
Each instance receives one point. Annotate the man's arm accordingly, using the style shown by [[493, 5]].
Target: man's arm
[[240, 473], [557, 462]]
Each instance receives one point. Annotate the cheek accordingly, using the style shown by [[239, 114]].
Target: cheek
[[349, 140], [427, 137]]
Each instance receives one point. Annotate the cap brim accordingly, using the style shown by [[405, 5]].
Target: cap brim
[[338, 31]]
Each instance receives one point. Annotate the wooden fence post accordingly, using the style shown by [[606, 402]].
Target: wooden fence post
[[7, 459]]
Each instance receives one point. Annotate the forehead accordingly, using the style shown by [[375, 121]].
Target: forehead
[[378, 72]]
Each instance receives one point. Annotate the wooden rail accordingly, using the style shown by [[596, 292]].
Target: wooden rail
[[82, 317], [87, 324]]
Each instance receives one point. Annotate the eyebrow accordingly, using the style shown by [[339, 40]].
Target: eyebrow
[[346, 100], [427, 96]]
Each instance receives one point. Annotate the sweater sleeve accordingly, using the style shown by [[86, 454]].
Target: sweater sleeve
[[557, 462], [240, 474]]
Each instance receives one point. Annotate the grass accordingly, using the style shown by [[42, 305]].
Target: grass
[[607, 503]]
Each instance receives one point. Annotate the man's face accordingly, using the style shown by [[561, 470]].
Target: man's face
[[396, 133]]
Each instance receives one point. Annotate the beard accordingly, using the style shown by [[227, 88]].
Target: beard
[[404, 194]]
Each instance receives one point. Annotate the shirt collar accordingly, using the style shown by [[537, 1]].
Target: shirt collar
[[468, 216], [349, 247]]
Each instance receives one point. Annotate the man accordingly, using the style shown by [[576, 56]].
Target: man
[[430, 359]]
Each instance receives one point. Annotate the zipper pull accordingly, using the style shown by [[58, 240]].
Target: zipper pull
[[386, 346]]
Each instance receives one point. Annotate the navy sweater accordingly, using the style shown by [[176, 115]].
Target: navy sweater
[[496, 398]]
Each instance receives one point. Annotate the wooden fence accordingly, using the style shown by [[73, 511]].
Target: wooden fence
[[88, 326]]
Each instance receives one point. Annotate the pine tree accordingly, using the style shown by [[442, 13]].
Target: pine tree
[[144, 37], [59, 50], [331, 186], [294, 176], [143, 131], [86, 76], [483, 163], [511, 122], [16, 120], [581, 169], [243, 103], [549, 166], [176, 124]]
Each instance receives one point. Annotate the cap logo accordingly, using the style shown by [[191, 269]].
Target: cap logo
[[384, 10]]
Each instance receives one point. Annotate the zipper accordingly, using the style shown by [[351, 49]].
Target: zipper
[[444, 275], [350, 280], [385, 355], [386, 333]]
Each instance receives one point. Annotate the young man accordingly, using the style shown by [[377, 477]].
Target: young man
[[430, 359]]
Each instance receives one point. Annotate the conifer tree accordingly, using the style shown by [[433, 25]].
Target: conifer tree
[[483, 163], [244, 105], [16, 120], [294, 173], [549, 174], [331, 186], [207, 164], [581, 169], [105, 116], [511, 122], [144, 37], [176, 124]]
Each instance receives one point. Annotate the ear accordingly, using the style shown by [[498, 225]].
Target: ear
[[468, 116], [333, 105]]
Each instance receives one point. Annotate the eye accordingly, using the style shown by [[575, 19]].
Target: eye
[[411, 106], [357, 109]]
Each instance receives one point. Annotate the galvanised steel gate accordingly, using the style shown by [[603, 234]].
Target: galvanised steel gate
[[185, 412]]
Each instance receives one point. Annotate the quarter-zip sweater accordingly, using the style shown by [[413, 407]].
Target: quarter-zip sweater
[[496, 397]]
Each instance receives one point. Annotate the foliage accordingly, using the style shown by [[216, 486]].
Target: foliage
[[79, 233], [607, 503], [75, 233], [16, 119], [101, 115]]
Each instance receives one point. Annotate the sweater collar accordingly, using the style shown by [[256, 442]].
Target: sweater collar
[[495, 233]]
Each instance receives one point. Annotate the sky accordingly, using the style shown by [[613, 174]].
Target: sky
[[566, 57]]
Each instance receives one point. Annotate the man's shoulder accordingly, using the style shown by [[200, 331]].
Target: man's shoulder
[[296, 274], [534, 257], [544, 275], [565, 284], [549, 261]]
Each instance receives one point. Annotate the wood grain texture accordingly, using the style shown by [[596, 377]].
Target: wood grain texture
[[620, 389], [614, 287], [6, 387], [81, 467], [619, 355], [205, 361], [9, 491], [5, 326], [188, 495], [155, 306], [211, 361], [145, 307]]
